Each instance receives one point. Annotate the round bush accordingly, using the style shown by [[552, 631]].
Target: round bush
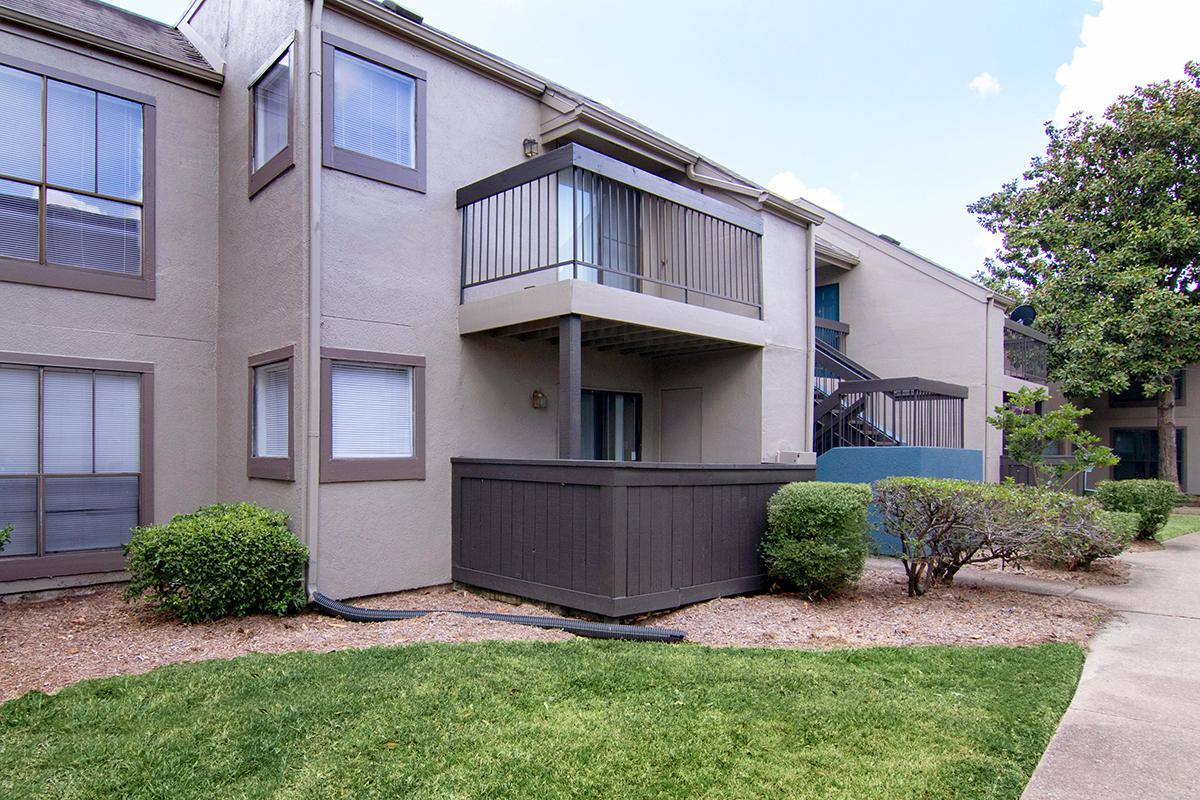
[[1152, 500], [219, 561], [816, 538]]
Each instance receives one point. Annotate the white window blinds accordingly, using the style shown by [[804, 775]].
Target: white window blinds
[[18, 421], [67, 421], [118, 399], [271, 389], [272, 95], [372, 411], [21, 99], [70, 136], [374, 110]]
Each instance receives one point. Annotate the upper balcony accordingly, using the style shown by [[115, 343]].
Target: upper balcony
[[1025, 352], [576, 215]]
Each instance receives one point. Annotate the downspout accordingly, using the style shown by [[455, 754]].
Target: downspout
[[987, 375], [810, 346], [312, 439]]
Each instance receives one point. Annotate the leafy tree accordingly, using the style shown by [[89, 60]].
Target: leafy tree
[[1103, 232], [1028, 434]]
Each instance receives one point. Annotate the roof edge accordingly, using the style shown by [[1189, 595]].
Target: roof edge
[[70, 33]]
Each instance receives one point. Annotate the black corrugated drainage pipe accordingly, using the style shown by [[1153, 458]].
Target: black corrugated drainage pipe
[[593, 630]]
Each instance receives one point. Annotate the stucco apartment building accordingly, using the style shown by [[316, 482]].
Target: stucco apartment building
[[1127, 422], [327, 258], [894, 313]]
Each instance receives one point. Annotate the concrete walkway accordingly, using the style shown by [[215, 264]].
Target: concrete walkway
[[1133, 729]]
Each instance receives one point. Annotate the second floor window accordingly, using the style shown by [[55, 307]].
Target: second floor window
[[374, 115], [271, 120], [73, 189]]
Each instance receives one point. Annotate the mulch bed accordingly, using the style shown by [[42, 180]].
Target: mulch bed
[[48, 644]]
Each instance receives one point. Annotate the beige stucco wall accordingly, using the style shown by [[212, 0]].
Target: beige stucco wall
[[263, 243], [176, 331], [908, 318], [1105, 417]]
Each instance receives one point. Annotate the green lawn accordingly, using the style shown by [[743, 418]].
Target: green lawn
[[1178, 525], [567, 720]]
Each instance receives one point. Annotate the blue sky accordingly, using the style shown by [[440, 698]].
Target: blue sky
[[895, 115]]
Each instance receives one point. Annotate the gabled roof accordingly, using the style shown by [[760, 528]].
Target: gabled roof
[[115, 29]]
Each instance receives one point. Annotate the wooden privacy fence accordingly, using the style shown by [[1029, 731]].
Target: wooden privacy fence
[[614, 539]]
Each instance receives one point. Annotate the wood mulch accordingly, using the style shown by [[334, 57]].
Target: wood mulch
[[48, 644], [1105, 572]]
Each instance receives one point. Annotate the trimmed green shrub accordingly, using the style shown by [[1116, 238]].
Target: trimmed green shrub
[[1152, 500], [5, 535], [816, 538], [222, 560]]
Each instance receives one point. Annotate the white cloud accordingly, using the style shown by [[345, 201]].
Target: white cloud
[[788, 186], [1127, 43], [984, 84], [986, 242]]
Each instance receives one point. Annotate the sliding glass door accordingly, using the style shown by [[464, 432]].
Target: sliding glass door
[[612, 426]]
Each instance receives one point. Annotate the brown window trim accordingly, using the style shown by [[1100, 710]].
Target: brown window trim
[[357, 163], [340, 470], [43, 273], [285, 159], [275, 469], [16, 568]]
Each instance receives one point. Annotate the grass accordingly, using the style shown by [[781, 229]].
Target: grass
[[573, 719], [1179, 525]]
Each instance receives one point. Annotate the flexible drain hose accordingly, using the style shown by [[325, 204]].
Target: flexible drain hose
[[594, 630]]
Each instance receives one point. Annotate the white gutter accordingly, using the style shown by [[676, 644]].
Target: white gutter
[[312, 408], [987, 376]]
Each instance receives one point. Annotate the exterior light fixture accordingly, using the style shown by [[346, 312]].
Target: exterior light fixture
[[531, 147], [537, 399]]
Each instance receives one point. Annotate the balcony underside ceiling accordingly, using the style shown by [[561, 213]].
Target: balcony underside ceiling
[[619, 337]]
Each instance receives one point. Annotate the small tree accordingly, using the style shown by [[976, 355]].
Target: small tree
[[1028, 434]]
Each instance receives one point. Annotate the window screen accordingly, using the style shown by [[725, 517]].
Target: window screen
[[272, 384], [371, 411], [374, 110]]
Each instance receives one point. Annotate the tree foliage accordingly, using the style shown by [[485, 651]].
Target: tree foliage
[[1103, 233], [1028, 434]]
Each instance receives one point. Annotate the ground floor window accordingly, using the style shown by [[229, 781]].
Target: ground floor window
[[71, 460], [612, 426], [1138, 450]]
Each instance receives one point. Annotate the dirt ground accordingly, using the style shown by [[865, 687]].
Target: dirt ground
[[48, 644]]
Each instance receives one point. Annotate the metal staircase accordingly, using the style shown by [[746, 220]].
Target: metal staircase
[[854, 407]]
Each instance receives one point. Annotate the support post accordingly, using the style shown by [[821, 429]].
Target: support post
[[570, 386]]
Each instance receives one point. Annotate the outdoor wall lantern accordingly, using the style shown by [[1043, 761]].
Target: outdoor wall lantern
[[531, 147], [537, 399]]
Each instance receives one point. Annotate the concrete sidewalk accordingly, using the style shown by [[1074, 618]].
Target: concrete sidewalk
[[1133, 729]]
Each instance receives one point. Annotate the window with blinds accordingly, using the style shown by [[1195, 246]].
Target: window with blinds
[[73, 439], [272, 387], [371, 411], [373, 115], [71, 175], [272, 95]]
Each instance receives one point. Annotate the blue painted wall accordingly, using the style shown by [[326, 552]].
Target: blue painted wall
[[869, 464]]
